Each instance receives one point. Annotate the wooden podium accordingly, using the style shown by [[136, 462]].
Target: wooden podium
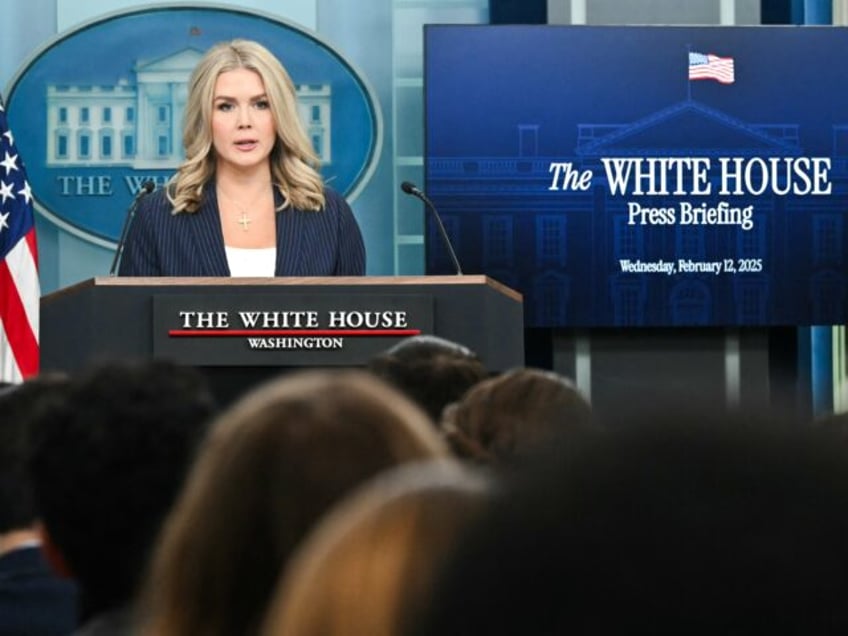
[[241, 330]]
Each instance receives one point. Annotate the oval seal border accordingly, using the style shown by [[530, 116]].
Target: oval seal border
[[92, 129]]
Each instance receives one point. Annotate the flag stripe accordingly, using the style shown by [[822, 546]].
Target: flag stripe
[[23, 266], [20, 335], [33, 246], [9, 370]]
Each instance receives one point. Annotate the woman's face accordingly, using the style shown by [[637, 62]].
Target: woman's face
[[243, 132]]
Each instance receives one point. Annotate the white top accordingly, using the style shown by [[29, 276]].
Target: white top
[[246, 262]]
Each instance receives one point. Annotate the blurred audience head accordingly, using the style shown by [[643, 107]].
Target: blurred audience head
[[20, 405], [512, 413], [369, 567], [689, 525], [107, 464], [833, 426], [430, 370], [275, 462], [33, 599]]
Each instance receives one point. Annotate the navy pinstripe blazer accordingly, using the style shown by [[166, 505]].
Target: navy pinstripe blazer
[[159, 243]]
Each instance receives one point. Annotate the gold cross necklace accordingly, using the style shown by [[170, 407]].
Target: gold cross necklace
[[244, 220]]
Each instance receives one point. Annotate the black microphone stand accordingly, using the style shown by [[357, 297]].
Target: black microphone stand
[[410, 188], [146, 188]]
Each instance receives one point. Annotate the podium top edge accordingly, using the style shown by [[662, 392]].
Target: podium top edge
[[350, 281]]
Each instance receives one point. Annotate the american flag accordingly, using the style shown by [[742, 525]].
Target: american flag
[[709, 66], [19, 287]]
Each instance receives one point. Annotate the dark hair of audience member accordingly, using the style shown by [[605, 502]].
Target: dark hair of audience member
[[33, 599], [20, 404], [512, 413], [274, 463], [430, 370], [693, 524], [107, 465], [369, 566], [832, 425]]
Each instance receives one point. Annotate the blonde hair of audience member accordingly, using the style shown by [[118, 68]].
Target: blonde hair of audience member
[[294, 164], [273, 464], [369, 566], [509, 414]]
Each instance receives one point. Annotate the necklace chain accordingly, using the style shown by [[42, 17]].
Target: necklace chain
[[244, 219]]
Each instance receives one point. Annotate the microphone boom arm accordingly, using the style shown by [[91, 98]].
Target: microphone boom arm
[[146, 188], [407, 187]]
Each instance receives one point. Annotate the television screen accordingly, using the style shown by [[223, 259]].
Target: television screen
[[643, 176]]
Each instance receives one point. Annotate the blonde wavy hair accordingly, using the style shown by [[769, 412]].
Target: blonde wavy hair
[[273, 464], [294, 163], [371, 566]]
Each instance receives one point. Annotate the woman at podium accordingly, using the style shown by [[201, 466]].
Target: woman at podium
[[248, 200]]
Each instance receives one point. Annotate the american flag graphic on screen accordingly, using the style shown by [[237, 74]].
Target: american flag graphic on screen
[[709, 66], [19, 287]]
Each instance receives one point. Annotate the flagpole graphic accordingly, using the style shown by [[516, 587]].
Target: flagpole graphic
[[20, 291]]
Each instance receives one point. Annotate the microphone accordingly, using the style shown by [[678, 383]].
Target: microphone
[[146, 188], [410, 188]]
